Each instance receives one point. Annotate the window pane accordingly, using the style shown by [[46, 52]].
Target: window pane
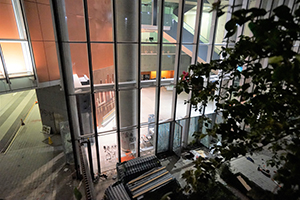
[[163, 138], [100, 18], [108, 151], [127, 62], [189, 20], [181, 105], [105, 110], [168, 61], [16, 62], [148, 61], [8, 25], [80, 64], [165, 107], [128, 108], [205, 23], [85, 113], [103, 63], [147, 104], [220, 32], [75, 20], [128, 144], [170, 21], [146, 140]]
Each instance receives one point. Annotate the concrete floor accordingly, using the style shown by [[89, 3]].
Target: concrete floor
[[30, 167]]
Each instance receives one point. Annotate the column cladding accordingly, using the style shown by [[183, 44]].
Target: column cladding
[[127, 55]]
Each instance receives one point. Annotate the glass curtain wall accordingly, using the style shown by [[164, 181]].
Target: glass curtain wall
[[16, 65], [119, 63]]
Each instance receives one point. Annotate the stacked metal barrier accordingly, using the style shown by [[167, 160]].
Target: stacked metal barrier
[[133, 168], [141, 178], [154, 180], [116, 192]]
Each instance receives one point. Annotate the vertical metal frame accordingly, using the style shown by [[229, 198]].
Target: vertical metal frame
[[176, 70], [117, 106], [240, 29], [139, 80], [193, 61], [211, 45], [158, 70], [89, 52], [177, 56], [4, 68], [67, 75]]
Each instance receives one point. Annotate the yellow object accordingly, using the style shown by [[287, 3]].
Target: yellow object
[[49, 140]]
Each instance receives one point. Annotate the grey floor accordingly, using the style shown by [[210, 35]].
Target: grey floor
[[30, 167]]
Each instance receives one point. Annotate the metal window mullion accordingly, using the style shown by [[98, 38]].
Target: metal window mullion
[[212, 39], [139, 80], [4, 68], [177, 56], [116, 78], [176, 70], [29, 40], [67, 77], [89, 52], [158, 70], [193, 62], [240, 30]]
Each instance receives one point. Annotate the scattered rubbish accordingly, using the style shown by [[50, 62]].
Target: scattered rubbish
[[265, 172], [66, 169], [50, 141], [250, 159]]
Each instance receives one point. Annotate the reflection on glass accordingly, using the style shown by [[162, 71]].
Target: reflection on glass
[[165, 107], [189, 21], [146, 14], [147, 140], [100, 18], [247, 31], [89, 147], [108, 151], [103, 63], [105, 110], [181, 107], [127, 103], [75, 20], [85, 113], [148, 61], [185, 58], [127, 62], [205, 23], [220, 32], [8, 24], [168, 61], [194, 127], [128, 144], [202, 53], [17, 59], [147, 104], [163, 137], [177, 138], [79, 64]]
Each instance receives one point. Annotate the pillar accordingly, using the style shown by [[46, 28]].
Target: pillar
[[127, 55]]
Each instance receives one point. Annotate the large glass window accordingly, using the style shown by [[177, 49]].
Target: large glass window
[[105, 110], [15, 57], [148, 105]]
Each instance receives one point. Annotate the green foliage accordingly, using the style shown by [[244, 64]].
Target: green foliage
[[265, 108]]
